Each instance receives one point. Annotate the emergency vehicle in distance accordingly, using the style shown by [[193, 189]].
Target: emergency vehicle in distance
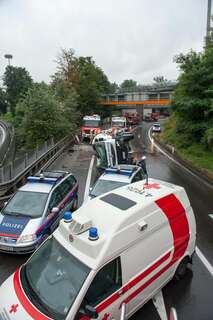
[[91, 127], [156, 127], [35, 210], [117, 123], [119, 248]]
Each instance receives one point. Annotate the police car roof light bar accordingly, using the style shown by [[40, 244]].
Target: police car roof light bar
[[43, 180], [120, 171]]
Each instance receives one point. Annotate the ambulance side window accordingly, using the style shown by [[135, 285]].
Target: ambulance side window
[[106, 281]]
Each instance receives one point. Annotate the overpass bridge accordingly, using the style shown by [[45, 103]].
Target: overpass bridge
[[144, 99]]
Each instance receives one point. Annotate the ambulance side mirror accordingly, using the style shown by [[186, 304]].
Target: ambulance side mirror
[[173, 314], [89, 311], [55, 210]]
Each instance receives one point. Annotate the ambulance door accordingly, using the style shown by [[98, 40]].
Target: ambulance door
[[146, 264], [104, 295]]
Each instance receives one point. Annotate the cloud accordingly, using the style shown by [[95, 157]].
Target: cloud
[[128, 39]]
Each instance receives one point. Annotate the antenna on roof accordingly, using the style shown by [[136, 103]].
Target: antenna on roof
[[41, 175]]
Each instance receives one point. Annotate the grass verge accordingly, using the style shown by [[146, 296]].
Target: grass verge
[[191, 152]]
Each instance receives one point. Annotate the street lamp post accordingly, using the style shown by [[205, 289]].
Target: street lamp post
[[8, 57]]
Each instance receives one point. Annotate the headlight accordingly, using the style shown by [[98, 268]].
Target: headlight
[[27, 238]]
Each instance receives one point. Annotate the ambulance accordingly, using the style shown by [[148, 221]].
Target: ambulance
[[111, 256]]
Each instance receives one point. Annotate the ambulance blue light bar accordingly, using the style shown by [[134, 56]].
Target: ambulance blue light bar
[[125, 172], [42, 180]]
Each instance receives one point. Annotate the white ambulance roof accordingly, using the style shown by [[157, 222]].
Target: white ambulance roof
[[116, 216]]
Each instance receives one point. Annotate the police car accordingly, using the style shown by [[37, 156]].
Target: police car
[[116, 250], [156, 127], [35, 210], [113, 178]]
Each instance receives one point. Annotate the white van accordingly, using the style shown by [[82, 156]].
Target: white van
[[120, 248]]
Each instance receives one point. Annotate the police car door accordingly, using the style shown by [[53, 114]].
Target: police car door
[[105, 292]]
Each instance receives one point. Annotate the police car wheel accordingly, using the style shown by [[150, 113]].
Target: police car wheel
[[181, 269]]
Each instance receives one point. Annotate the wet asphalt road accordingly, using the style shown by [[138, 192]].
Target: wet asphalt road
[[192, 296]]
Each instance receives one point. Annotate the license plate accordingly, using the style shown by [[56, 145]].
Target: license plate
[[6, 248]]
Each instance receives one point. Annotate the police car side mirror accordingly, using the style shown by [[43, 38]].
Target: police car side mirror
[[55, 210]]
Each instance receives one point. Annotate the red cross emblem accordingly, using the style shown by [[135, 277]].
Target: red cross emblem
[[14, 308], [106, 316], [151, 186]]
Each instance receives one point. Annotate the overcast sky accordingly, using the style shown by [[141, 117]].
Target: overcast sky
[[128, 39]]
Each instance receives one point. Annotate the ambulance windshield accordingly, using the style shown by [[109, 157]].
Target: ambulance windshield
[[52, 279]]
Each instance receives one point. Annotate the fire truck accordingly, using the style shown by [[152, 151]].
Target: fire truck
[[91, 127], [132, 118]]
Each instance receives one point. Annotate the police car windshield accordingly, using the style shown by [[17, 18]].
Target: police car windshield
[[26, 203], [91, 123], [103, 186], [52, 279]]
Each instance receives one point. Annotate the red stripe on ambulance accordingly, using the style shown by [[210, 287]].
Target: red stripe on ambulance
[[176, 215], [28, 306]]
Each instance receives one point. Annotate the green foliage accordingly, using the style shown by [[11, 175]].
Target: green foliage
[[3, 101], [128, 84], [17, 81], [208, 139], [82, 75], [193, 152], [7, 117], [39, 117], [192, 102]]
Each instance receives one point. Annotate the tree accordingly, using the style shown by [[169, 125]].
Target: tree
[[40, 117], [128, 84], [192, 101], [82, 75], [17, 81], [3, 101]]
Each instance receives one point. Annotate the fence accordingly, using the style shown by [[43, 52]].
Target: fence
[[14, 168], [7, 148]]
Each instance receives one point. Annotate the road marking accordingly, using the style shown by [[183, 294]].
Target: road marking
[[206, 263], [89, 175], [211, 216], [201, 256]]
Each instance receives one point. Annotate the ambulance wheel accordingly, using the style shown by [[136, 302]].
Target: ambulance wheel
[[181, 269], [75, 204]]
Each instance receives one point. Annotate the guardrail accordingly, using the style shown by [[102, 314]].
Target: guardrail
[[7, 149], [13, 175]]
